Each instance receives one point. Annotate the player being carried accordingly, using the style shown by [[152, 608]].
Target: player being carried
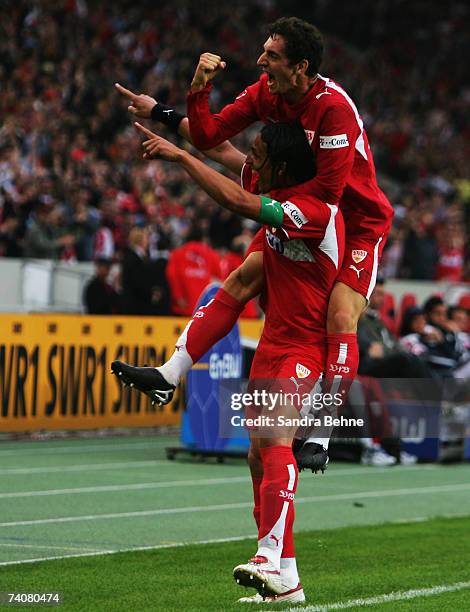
[[290, 88], [302, 248]]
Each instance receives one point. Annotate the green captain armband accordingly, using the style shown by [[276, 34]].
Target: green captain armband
[[271, 213]]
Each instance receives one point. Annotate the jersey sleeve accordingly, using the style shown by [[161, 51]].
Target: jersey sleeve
[[335, 150], [305, 218], [209, 130], [298, 217]]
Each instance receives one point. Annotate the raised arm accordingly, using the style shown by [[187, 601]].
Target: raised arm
[[222, 189], [209, 130], [142, 105]]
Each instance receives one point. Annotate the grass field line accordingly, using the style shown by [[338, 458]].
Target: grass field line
[[133, 549], [129, 487], [385, 598], [17, 545], [83, 467], [76, 448], [237, 506], [174, 483]]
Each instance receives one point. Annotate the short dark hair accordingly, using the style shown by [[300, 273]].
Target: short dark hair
[[431, 303], [287, 143], [302, 40]]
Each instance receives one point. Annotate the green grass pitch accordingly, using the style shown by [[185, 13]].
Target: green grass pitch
[[373, 538]]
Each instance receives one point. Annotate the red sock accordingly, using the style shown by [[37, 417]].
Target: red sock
[[257, 499], [277, 502], [342, 361], [211, 323]]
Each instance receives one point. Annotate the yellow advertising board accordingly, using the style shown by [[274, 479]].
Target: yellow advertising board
[[55, 370]]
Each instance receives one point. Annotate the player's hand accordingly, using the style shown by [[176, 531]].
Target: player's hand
[[140, 104], [209, 65], [156, 147]]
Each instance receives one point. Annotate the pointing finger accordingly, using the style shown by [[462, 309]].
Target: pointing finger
[[126, 92], [144, 130]]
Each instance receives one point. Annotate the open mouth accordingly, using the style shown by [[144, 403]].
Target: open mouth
[[271, 78]]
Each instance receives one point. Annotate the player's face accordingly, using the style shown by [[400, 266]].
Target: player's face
[[274, 62], [259, 161]]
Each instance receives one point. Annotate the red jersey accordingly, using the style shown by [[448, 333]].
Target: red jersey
[[450, 265], [301, 261], [190, 269], [345, 172]]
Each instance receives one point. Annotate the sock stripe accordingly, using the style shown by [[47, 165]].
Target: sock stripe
[[343, 353], [290, 484]]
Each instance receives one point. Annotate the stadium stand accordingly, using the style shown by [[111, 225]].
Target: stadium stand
[[68, 151]]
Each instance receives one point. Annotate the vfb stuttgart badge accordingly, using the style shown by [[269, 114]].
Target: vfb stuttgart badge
[[302, 371], [358, 255]]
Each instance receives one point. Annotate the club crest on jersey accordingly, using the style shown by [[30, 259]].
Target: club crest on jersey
[[301, 371], [358, 255], [310, 135]]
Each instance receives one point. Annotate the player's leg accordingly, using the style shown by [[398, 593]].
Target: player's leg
[[291, 590], [348, 300], [208, 325], [273, 570]]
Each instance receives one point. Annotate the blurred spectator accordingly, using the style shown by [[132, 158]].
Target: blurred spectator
[[66, 136], [459, 320], [142, 292], [85, 220], [416, 333], [446, 355], [421, 249], [380, 355], [191, 268], [99, 297], [47, 236], [451, 254]]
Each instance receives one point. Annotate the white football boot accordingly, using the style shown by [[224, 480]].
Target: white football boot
[[377, 457], [260, 574], [295, 595]]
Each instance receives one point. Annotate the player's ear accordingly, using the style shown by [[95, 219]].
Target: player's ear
[[301, 68]]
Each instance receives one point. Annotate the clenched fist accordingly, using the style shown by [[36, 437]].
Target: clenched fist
[[209, 65]]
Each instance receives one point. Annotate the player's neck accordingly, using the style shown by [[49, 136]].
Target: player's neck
[[300, 89]]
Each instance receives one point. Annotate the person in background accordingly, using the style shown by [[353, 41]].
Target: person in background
[[415, 332], [421, 251], [190, 269], [448, 355], [99, 297], [141, 293], [381, 355], [459, 319], [46, 236], [85, 221]]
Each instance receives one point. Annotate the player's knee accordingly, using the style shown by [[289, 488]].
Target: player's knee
[[342, 321], [234, 286], [242, 288]]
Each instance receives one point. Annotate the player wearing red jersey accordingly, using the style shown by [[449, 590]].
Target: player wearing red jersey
[[292, 88], [303, 249]]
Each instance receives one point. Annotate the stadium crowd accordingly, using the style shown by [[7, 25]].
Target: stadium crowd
[[72, 186]]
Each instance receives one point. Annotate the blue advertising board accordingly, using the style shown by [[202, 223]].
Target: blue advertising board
[[221, 364]]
